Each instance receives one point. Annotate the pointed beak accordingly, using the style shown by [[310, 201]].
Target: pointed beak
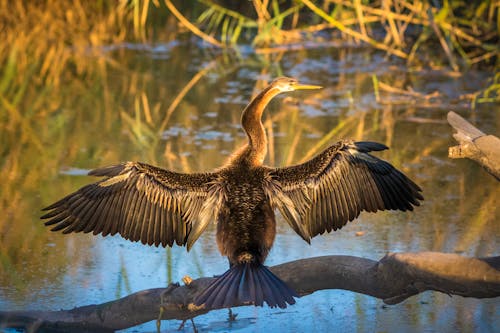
[[299, 86]]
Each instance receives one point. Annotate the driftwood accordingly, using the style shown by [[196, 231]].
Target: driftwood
[[475, 145], [393, 279]]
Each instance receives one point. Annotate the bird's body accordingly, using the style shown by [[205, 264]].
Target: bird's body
[[247, 221], [157, 206]]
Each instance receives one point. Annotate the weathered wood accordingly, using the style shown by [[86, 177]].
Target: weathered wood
[[475, 145], [393, 279]]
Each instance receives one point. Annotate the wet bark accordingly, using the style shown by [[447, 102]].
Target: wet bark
[[394, 278], [475, 145]]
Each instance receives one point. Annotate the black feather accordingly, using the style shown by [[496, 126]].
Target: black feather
[[367, 146], [246, 283]]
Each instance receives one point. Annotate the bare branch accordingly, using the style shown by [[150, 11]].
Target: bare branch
[[475, 145], [393, 279]]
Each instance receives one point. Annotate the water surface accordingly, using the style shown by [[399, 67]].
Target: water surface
[[119, 108]]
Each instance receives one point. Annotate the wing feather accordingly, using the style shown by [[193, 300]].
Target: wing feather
[[63, 223], [340, 183], [72, 224], [154, 219], [142, 227], [108, 215], [136, 221], [141, 203], [119, 214], [96, 216], [105, 217], [131, 203]]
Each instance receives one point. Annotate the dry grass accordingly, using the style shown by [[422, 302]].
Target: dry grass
[[466, 34], [469, 31]]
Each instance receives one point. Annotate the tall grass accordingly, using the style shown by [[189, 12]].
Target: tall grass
[[466, 30], [50, 61], [464, 33]]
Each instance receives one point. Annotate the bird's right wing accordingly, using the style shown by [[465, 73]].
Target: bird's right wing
[[141, 202]]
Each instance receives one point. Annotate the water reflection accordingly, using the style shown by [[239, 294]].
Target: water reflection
[[122, 110]]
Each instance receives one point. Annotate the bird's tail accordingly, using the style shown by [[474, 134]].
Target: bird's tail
[[246, 283]]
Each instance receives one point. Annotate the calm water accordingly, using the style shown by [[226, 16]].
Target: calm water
[[118, 107]]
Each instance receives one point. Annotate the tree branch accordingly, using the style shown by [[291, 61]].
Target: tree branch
[[475, 145], [393, 279]]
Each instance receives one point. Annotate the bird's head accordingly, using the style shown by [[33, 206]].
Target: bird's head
[[284, 84]]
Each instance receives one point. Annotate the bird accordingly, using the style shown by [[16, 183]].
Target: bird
[[142, 202]]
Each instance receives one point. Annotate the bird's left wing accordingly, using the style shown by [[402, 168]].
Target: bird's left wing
[[326, 192], [141, 203]]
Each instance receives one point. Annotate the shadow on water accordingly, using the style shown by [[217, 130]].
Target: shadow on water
[[113, 109]]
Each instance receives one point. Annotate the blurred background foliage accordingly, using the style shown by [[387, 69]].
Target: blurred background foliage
[[90, 83]]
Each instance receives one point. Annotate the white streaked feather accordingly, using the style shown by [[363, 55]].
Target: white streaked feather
[[114, 180], [292, 210], [206, 212]]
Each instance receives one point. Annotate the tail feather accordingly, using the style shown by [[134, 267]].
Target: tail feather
[[247, 283], [282, 289], [218, 288], [266, 291], [274, 294]]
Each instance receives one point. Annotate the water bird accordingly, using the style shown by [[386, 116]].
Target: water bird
[[145, 203]]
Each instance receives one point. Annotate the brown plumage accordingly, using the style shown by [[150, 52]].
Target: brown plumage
[[155, 206]]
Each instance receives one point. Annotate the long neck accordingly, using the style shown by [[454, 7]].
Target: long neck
[[251, 120]]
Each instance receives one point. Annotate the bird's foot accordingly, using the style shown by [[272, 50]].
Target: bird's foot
[[231, 316], [181, 326]]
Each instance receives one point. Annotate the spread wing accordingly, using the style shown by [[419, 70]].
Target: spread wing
[[326, 192], [140, 202]]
